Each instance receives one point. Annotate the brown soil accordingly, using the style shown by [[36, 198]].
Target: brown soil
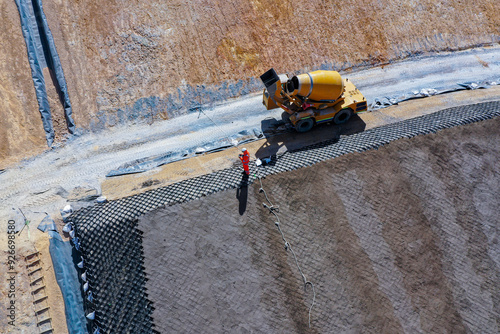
[[115, 53], [400, 239], [21, 126], [25, 313]]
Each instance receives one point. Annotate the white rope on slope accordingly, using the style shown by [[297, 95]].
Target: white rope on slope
[[274, 210]]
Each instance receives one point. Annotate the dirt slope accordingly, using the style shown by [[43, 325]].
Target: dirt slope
[[403, 239], [21, 130], [144, 60]]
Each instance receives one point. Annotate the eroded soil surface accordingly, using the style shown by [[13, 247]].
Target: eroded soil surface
[[400, 239], [131, 61]]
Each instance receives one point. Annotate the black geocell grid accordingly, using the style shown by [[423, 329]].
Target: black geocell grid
[[111, 244]]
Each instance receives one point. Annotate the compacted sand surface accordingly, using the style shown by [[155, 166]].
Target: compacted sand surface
[[400, 239]]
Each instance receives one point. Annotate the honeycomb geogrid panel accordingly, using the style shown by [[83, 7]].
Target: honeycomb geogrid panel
[[111, 244]]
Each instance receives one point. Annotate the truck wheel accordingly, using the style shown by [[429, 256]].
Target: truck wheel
[[343, 116], [285, 117], [304, 125]]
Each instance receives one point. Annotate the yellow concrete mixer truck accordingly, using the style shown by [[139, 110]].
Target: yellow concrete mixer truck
[[312, 98]]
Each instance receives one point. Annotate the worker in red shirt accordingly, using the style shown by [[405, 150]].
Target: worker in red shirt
[[245, 160]]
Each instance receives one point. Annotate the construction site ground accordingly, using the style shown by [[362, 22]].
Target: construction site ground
[[109, 221], [120, 58], [27, 243], [127, 185], [46, 181], [402, 239], [399, 239], [75, 171]]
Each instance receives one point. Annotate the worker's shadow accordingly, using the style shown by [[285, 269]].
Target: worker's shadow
[[242, 194], [281, 137]]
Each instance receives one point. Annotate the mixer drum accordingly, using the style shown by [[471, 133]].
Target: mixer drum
[[317, 85]]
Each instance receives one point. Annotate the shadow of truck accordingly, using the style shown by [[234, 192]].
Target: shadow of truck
[[281, 137]]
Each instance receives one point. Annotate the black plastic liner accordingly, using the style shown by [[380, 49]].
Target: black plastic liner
[[145, 164], [388, 101], [42, 53], [67, 277]]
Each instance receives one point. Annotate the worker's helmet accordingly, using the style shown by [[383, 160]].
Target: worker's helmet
[[243, 149]]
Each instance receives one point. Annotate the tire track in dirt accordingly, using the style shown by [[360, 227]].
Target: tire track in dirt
[[368, 228], [454, 242], [349, 288], [409, 235], [473, 164]]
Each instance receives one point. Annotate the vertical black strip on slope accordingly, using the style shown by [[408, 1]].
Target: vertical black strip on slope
[[54, 63], [42, 52], [36, 69]]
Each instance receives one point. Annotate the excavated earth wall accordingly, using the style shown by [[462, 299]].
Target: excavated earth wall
[[128, 61]]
